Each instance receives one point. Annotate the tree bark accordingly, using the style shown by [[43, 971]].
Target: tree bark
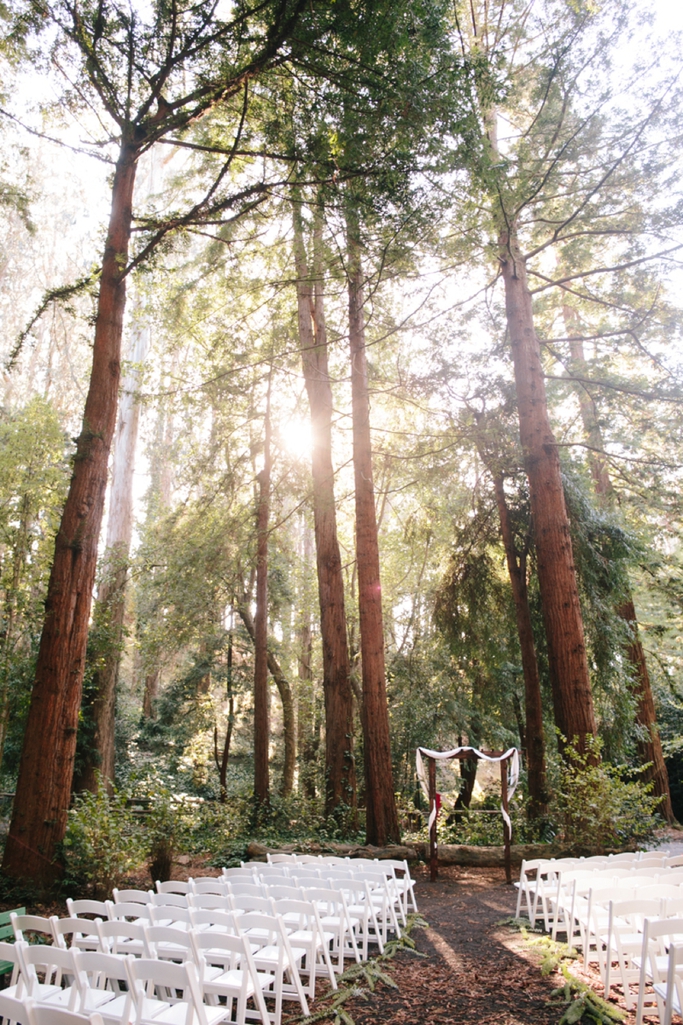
[[261, 696], [111, 598], [572, 698], [222, 763], [46, 768], [649, 747], [288, 717], [533, 705], [150, 695], [380, 802], [340, 769]]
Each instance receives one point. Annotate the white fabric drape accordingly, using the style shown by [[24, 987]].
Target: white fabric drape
[[513, 772]]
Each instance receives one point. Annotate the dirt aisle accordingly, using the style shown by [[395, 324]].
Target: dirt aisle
[[475, 972]]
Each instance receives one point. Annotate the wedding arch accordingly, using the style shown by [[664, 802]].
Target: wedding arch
[[509, 777]]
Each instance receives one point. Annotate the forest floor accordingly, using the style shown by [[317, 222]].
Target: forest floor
[[478, 969]]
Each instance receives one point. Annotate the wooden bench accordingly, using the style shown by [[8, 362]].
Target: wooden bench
[[7, 933]]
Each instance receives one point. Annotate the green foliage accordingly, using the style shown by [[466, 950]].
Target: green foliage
[[583, 1006], [103, 842], [599, 805]]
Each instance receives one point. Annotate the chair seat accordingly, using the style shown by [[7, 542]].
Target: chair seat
[[176, 1014], [660, 990], [233, 980]]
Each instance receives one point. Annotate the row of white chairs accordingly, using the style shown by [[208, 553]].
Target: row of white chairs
[[538, 876], [251, 955], [626, 914]]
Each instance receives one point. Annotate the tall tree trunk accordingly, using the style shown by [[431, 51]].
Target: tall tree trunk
[[307, 740], [19, 557], [340, 769], [261, 696], [568, 665], [285, 691], [150, 694], [111, 597], [533, 706], [46, 769], [649, 746], [380, 803], [222, 763]]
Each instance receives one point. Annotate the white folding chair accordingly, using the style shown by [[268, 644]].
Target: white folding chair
[[14, 1010], [237, 978], [121, 937], [334, 918], [622, 940], [57, 964], [155, 986], [653, 962], [304, 929], [102, 982], [671, 994], [281, 859], [246, 874], [172, 917], [274, 955]]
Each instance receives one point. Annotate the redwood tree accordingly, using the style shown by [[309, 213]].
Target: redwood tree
[[149, 81], [380, 803], [340, 772]]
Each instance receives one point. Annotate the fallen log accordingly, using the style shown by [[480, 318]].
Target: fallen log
[[449, 854]]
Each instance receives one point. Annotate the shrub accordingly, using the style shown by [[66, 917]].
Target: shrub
[[103, 841], [599, 806]]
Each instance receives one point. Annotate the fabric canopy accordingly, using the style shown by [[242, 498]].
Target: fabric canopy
[[513, 773]]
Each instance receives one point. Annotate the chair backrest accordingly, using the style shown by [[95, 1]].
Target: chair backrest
[[166, 977], [217, 886], [128, 909], [24, 925], [115, 936], [224, 949], [9, 960], [167, 914], [660, 890], [327, 900], [213, 920], [55, 962], [672, 876], [653, 856], [95, 970], [264, 930], [626, 857], [75, 929], [14, 1009], [308, 859], [246, 902], [300, 874], [674, 861], [279, 892], [629, 915], [262, 869], [167, 943], [221, 902], [131, 896], [281, 859], [239, 873], [81, 908], [173, 886], [242, 886], [178, 900], [304, 910], [275, 879]]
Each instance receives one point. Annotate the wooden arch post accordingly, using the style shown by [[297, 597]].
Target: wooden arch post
[[469, 753]]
